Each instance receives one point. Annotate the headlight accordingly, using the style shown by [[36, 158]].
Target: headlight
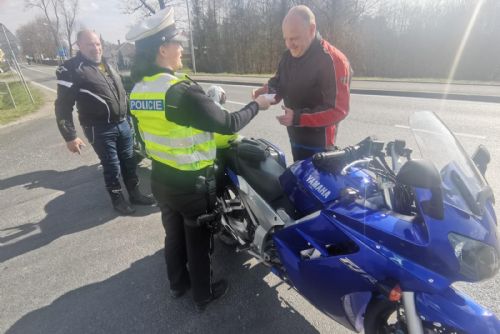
[[478, 261]]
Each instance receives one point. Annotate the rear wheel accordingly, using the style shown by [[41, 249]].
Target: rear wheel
[[384, 317]]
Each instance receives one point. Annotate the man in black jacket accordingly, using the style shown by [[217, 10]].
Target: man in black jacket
[[101, 101]]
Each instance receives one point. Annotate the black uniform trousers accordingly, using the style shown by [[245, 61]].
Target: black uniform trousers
[[187, 245]]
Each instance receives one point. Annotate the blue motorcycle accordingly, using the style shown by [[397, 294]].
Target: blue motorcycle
[[371, 235]]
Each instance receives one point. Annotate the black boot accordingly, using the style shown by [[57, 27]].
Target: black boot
[[119, 202], [218, 290], [136, 197]]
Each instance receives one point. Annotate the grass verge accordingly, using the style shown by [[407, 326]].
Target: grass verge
[[23, 102], [6, 75]]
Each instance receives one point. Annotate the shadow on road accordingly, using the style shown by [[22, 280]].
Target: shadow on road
[[84, 204], [136, 301]]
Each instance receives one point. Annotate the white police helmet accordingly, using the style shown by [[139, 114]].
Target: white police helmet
[[217, 94], [155, 30]]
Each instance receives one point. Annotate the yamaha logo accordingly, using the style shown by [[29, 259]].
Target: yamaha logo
[[318, 187]]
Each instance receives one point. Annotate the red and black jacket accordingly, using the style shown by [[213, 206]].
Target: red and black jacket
[[316, 87]]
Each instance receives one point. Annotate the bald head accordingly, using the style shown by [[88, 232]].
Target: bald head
[[299, 30], [90, 45], [301, 13]]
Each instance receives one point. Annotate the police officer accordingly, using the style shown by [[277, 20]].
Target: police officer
[[177, 121], [89, 81]]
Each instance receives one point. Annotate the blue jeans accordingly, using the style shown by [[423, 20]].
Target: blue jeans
[[113, 144]]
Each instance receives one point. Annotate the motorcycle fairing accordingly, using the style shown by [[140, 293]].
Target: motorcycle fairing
[[420, 235], [313, 277], [451, 308], [350, 261]]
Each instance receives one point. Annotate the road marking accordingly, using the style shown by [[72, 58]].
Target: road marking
[[32, 69], [40, 85], [238, 103], [455, 133], [469, 135], [220, 83]]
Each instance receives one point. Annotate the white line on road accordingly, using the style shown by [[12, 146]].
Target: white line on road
[[232, 85], [32, 69], [455, 133], [40, 85], [238, 103]]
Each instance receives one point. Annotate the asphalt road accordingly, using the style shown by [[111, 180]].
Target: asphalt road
[[69, 264]]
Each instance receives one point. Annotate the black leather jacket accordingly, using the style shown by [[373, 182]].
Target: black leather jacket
[[100, 97]]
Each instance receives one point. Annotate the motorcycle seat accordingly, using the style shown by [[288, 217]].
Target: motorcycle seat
[[253, 162], [262, 176]]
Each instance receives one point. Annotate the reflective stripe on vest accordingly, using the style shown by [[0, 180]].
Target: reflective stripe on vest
[[179, 142], [186, 158], [178, 146]]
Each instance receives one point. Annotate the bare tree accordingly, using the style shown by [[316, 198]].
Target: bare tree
[[149, 7], [36, 39], [70, 11], [50, 9], [389, 38]]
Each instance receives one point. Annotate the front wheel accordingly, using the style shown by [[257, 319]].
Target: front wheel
[[384, 317]]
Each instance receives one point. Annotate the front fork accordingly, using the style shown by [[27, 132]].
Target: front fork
[[413, 322]]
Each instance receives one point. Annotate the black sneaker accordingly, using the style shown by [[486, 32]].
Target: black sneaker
[[177, 293], [123, 207], [138, 198], [219, 289], [119, 203]]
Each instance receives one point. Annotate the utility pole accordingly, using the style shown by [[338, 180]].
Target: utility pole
[[193, 60]]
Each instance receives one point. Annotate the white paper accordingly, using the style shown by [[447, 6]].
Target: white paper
[[270, 97]]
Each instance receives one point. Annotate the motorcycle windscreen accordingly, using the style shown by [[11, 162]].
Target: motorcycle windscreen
[[463, 182]]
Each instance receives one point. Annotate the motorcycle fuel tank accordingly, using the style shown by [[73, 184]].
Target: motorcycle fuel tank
[[311, 189]]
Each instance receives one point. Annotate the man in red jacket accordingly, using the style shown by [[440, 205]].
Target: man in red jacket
[[313, 79]]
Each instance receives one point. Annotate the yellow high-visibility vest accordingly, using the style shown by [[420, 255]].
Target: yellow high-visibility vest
[[224, 141], [177, 146]]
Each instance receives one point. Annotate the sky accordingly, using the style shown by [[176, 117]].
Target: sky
[[104, 16]]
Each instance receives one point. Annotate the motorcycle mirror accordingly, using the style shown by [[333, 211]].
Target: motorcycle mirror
[[481, 158], [423, 174]]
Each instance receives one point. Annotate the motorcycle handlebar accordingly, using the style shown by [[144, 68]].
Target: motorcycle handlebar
[[336, 155], [336, 160]]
